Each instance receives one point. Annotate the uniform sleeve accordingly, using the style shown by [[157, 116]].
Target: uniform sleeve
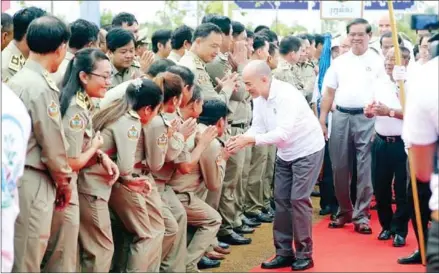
[[212, 166], [283, 75], [48, 129], [175, 147], [299, 82], [156, 144], [240, 94], [215, 69], [126, 137], [74, 123]]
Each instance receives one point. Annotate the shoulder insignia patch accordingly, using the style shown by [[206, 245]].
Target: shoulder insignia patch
[[81, 99], [53, 110], [133, 114], [49, 81], [133, 133], [162, 140], [76, 123], [203, 78], [16, 62], [198, 63]]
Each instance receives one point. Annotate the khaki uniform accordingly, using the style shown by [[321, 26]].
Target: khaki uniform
[[61, 254], [114, 93], [140, 213], [118, 77], [46, 165], [269, 173], [306, 70], [173, 56], [255, 184], [289, 73], [58, 76], [94, 187], [209, 173], [162, 153], [202, 78], [12, 61]]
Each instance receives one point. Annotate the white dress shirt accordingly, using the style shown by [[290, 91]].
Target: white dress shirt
[[354, 77], [422, 115], [16, 127], [286, 120], [387, 93]]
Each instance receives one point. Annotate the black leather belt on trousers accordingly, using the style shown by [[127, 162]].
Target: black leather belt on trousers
[[352, 111], [241, 125], [390, 139]]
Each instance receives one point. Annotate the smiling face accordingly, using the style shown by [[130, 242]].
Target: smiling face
[[359, 38], [98, 81]]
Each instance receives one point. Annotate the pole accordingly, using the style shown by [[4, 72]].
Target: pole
[[51, 7], [226, 8], [410, 155]]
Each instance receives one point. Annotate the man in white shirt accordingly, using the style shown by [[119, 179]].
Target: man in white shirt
[[389, 159], [350, 87], [282, 117], [16, 128], [421, 132]]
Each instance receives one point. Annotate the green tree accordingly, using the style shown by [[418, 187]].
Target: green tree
[[171, 15], [106, 17]]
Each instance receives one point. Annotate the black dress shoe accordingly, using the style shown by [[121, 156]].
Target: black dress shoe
[[235, 239], [325, 211], [244, 229], [398, 241], [363, 229], [261, 217], [250, 223], [315, 194], [223, 245], [277, 262], [414, 258], [268, 210], [385, 235], [206, 263], [302, 264]]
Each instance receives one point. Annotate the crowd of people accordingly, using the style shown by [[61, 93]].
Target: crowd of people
[[158, 160]]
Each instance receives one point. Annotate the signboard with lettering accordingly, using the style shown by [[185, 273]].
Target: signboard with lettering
[[341, 10]]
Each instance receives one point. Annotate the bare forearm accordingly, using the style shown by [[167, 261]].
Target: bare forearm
[[423, 161], [77, 164], [327, 101], [187, 167]]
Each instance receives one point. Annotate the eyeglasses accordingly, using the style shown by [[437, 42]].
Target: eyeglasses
[[106, 78]]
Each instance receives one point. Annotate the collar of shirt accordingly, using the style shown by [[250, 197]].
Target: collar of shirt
[[118, 72], [35, 66], [283, 64], [69, 56]]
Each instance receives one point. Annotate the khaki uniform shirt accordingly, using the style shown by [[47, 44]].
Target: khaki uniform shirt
[[120, 144], [306, 71], [210, 169], [47, 144], [118, 77], [78, 129], [173, 56], [288, 73], [12, 61], [202, 78], [114, 93], [58, 76]]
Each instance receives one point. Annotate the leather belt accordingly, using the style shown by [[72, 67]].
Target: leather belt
[[390, 139], [241, 125], [352, 111], [435, 215]]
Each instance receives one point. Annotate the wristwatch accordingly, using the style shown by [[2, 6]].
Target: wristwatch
[[392, 113]]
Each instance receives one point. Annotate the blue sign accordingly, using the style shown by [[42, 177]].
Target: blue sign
[[303, 5]]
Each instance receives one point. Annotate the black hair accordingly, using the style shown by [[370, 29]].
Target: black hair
[[171, 84], [85, 60], [289, 44], [213, 111], [83, 32], [389, 35], [415, 49], [271, 35], [181, 35], [6, 22], [149, 94], [260, 28], [206, 18], [159, 66], [160, 36], [22, 20], [221, 21], [186, 74], [124, 17], [404, 51], [259, 41], [46, 34], [204, 30], [238, 28], [250, 34], [272, 49], [358, 21], [196, 94], [119, 37], [303, 37], [319, 39], [107, 27], [311, 38]]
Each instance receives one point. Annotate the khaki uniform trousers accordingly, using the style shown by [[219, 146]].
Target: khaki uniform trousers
[[141, 217], [241, 188], [95, 235], [232, 178], [254, 200], [207, 222], [174, 251], [32, 228], [269, 175], [62, 251]]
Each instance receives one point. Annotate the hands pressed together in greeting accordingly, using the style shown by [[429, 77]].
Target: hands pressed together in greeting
[[376, 109]]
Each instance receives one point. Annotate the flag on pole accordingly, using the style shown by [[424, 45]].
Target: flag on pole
[[6, 4], [90, 11]]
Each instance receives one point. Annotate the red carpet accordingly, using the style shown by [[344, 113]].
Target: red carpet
[[343, 250]]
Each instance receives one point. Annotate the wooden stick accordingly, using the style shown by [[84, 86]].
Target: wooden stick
[[410, 156]]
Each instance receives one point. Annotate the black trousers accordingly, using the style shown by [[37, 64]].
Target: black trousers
[[389, 161], [326, 185], [433, 248]]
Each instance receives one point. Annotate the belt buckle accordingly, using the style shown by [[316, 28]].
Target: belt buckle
[[390, 139]]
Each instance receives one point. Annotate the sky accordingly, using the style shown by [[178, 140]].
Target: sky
[[146, 11]]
